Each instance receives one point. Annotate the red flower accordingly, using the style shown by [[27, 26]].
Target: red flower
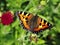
[[7, 18]]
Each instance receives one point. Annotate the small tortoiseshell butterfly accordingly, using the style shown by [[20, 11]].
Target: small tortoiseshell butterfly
[[32, 23]]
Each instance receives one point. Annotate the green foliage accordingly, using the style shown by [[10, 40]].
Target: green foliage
[[14, 34]]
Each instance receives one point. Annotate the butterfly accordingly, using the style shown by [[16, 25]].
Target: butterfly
[[32, 22]]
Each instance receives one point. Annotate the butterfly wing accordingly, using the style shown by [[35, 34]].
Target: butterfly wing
[[24, 17], [42, 25]]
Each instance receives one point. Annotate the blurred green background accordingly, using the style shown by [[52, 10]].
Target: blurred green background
[[14, 34]]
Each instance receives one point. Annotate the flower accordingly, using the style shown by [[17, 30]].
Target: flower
[[7, 18]]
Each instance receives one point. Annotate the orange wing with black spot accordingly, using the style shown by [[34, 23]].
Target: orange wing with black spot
[[33, 23]]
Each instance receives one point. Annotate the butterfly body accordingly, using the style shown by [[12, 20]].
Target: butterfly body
[[33, 23]]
